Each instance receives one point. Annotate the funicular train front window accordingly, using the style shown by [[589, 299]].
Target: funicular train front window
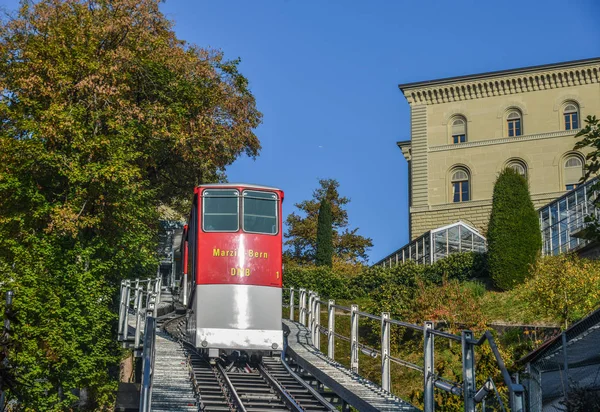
[[260, 212], [220, 210]]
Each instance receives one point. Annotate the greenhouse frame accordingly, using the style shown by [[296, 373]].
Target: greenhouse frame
[[564, 219], [436, 244]]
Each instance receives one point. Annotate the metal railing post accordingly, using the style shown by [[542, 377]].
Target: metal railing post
[[291, 304], [302, 306], [354, 338], [385, 351], [151, 305], [126, 313], [331, 329], [138, 321], [317, 317], [310, 313], [148, 364], [121, 311], [468, 366], [428, 372], [135, 297], [159, 291]]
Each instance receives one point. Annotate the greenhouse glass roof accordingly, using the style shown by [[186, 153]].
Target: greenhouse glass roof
[[564, 219], [436, 244]]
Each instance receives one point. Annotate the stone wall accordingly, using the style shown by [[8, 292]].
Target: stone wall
[[475, 214]]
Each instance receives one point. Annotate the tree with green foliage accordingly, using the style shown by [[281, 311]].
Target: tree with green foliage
[[301, 236], [563, 288], [514, 239], [105, 116], [590, 135], [324, 253]]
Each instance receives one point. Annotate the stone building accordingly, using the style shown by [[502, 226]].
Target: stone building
[[465, 130]]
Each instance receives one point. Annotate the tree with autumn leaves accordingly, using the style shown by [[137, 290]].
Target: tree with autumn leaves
[[105, 116], [301, 237]]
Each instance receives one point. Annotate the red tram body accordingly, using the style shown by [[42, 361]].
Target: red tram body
[[232, 282]]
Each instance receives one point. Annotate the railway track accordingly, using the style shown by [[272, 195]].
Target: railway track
[[269, 386]]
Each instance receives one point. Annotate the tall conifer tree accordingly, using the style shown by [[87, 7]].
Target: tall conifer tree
[[324, 255], [514, 238], [301, 235]]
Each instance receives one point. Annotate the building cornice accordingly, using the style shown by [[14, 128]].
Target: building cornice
[[504, 140], [405, 147], [503, 83]]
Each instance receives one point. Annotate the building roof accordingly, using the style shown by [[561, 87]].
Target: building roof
[[556, 369], [465, 239], [480, 76], [235, 185]]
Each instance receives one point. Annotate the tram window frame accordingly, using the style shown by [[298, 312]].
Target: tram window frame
[[233, 194], [276, 217]]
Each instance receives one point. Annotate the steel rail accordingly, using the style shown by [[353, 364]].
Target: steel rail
[[287, 398], [231, 396], [193, 355], [232, 392]]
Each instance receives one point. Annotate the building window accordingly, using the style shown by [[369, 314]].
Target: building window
[[460, 186], [571, 115], [518, 166], [513, 122], [573, 171], [459, 131]]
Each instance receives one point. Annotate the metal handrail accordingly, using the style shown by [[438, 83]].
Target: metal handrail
[[468, 390], [148, 364], [405, 324], [406, 363], [368, 315]]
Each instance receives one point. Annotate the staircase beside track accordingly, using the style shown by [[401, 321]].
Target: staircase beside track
[[172, 388]]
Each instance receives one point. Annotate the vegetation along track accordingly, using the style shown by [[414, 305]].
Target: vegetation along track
[[268, 386]]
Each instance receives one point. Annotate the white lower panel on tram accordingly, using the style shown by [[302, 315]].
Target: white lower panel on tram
[[236, 317]]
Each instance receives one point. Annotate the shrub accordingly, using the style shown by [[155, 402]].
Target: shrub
[[454, 303], [320, 279], [374, 277], [564, 287], [514, 238], [459, 266]]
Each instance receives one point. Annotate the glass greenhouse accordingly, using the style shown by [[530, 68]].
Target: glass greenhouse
[[564, 218], [436, 244]]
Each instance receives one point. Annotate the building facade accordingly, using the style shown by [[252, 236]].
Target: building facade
[[465, 130]]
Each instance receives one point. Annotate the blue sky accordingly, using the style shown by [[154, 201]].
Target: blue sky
[[325, 76]]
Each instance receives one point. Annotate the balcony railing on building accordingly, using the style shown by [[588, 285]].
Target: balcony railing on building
[[563, 220], [436, 244]]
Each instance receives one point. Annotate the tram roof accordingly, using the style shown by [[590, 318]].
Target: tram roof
[[236, 185]]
